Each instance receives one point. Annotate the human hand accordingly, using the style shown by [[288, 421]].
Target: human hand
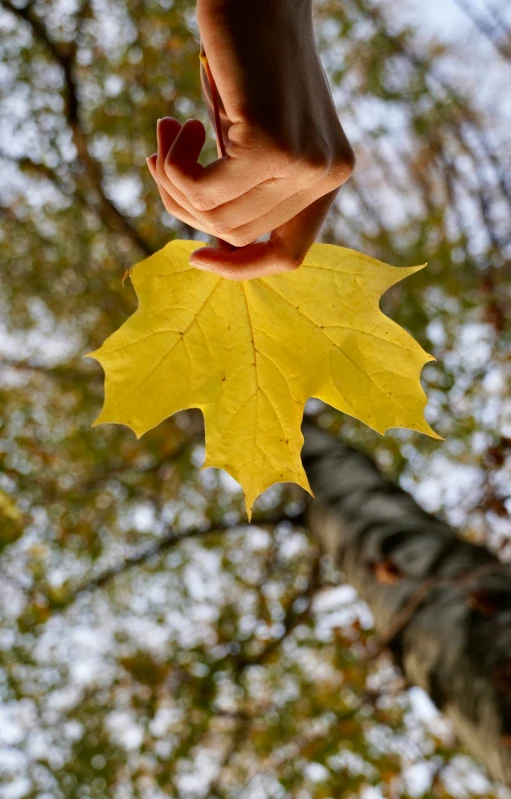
[[283, 153]]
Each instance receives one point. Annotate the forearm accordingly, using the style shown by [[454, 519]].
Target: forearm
[[276, 68]]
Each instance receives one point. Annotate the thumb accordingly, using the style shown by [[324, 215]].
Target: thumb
[[284, 252]]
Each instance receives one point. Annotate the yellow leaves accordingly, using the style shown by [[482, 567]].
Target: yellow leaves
[[11, 520], [8, 509], [250, 353]]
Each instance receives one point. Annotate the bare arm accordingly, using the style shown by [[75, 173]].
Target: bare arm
[[285, 154]]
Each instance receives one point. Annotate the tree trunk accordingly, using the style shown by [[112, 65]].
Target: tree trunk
[[443, 605]]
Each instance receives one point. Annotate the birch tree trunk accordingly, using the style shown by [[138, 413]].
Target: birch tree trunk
[[443, 605]]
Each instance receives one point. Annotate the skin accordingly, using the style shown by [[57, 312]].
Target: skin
[[283, 154]]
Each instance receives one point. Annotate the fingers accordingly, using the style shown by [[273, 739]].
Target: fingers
[[254, 213], [183, 144], [247, 209], [286, 210], [293, 240], [244, 263], [243, 220], [284, 252], [167, 130], [185, 147], [216, 184], [171, 206], [187, 142]]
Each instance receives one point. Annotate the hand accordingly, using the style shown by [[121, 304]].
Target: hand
[[283, 153]]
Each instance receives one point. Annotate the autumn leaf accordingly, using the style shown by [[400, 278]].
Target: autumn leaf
[[250, 353]]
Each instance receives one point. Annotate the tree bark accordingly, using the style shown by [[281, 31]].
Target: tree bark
[[442, 604]]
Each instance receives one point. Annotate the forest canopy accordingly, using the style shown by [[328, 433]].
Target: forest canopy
[[152, 644]]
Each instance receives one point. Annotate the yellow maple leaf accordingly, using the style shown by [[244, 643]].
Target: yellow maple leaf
[[250, 353]]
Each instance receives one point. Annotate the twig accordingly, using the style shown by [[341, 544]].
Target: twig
[[166, 542], [487, 29]]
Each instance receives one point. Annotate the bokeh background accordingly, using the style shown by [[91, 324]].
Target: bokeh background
[[152, 644]]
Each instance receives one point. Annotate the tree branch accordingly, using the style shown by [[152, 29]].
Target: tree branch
[[64, 372], [485, 28], [164, 543], [400, 45], [292, 618], [64, 56]]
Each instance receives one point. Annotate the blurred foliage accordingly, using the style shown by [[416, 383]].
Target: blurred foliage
[[152, 645]]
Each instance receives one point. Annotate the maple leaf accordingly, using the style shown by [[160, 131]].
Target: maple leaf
[[250, 353]]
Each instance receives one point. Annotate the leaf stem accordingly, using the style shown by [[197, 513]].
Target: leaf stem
[[214, 97]]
